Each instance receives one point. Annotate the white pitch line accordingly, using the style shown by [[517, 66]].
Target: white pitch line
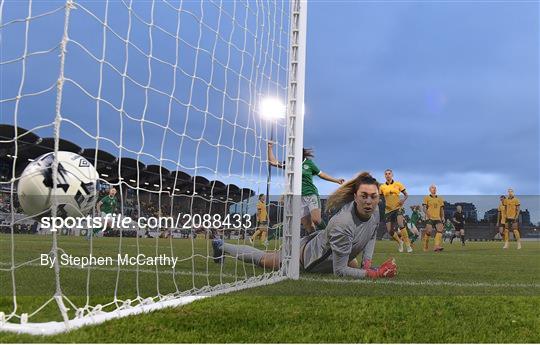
[[141, 270], [424, 283]]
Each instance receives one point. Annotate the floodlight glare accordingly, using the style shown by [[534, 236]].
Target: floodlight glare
[[272, 109]]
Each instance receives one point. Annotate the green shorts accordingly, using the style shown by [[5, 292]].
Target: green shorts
[[433, 222], [262, 224], [392, 215], [510, 222]]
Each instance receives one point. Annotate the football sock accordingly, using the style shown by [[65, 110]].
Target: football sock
[[405, 236], [516, 235], [505, 235], [425, 240], [462, 239], [395, 236], [438, 239]]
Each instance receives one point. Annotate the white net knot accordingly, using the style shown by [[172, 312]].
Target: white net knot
[[71, 5], [97, 309], [126, 304], [79, 313], [147, 301]]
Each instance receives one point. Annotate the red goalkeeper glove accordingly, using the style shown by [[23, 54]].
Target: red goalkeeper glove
[[366, 264], [388, 269]]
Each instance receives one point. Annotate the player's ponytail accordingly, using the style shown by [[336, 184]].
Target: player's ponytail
[[307, 153], [345, 193]]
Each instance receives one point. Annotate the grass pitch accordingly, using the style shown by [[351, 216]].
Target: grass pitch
[[476, 293]]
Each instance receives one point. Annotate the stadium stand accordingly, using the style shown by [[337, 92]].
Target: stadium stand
[[156, 185]]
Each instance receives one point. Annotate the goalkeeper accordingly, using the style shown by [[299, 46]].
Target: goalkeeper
[[333, 250]]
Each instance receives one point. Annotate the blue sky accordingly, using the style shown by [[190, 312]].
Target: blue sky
[[443, 92]]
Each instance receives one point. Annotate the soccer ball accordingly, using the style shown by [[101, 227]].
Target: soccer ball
[[76, 186]]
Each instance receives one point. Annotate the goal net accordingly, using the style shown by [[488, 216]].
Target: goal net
[[165, 99]]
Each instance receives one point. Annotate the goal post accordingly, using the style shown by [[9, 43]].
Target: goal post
[[163, 99], [295, 138]]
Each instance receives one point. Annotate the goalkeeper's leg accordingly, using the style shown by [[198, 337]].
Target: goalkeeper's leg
[[247, 254], [272, 259]]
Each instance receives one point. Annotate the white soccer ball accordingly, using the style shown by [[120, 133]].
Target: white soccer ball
[[76, 186]]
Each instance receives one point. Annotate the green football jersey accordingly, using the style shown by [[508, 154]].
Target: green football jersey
[[308, 170], [108, 204], [415, 218]]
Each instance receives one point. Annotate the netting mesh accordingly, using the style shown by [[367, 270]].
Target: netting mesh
[[163, 98]]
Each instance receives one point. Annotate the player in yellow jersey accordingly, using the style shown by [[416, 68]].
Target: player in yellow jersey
[[501, 219], [393, 211], [434, 210], [511, 204], [262, 222]]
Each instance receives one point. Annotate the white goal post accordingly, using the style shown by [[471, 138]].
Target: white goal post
[[163, 99]]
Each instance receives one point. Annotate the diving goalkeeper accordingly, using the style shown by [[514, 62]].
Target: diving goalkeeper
[[333, 250]]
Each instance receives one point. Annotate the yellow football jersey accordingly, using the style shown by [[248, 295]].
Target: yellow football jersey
[[511, 205], [391, 192], [502, 211], [262, 214], [433, 204]]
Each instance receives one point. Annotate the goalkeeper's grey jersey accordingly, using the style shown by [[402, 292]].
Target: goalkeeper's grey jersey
[[346, 236]]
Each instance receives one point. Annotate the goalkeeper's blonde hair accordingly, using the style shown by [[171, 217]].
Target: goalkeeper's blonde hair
[[345, 193]]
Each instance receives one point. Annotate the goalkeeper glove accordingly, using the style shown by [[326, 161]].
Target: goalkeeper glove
[[388, 269], [366, 264]]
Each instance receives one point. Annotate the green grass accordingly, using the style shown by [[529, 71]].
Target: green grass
[[478, 293]]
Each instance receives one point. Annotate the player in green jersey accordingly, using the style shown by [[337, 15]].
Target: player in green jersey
[[106, 207], [311, 203], [416, 218]]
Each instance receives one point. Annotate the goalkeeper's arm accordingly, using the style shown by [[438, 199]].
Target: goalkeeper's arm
[[341, 246], [367, 255]]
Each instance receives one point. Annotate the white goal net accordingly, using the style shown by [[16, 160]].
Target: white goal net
[[165, 99]]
